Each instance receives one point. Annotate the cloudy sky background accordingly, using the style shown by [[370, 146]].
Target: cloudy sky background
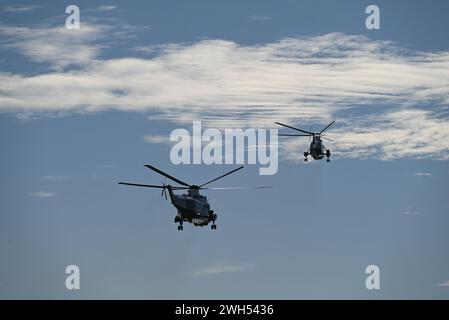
[[83, 109]]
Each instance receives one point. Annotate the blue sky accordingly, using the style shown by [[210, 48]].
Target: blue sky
[[83, 109]]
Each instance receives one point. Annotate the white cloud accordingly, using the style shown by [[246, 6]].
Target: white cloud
[[259, 18], [42, 194], [443, 284], [157, 139], [106, 8], [405, 133], [57, 177], [421, 174], [220, 268], [56, 46], [378, 92], [411, 212], [20, 8]]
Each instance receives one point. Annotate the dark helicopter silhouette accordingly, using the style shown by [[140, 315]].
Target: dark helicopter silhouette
[[316, 149], [192, 206]]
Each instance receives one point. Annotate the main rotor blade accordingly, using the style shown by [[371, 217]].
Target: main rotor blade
[[327, 127], [142, 185], [235, 188], [224, 175], [293, 135], [167, 175], [297, 129], [153, 186], [327, 138]]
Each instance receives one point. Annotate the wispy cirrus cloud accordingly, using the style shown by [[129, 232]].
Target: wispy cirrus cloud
[[219, 269], [421, 174], [157, 139], [60, 48], [259, 18], [20, 8], [42, 194], [102, 8], [57, 46], [400, 133], [443, 284], [411, 212], [106, 7], [57, 177], [389, 102]]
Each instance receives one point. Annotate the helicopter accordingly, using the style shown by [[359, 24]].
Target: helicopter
[[192, 206], [317, 149]]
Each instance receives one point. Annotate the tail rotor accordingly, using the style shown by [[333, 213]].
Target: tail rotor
[[164, 189]]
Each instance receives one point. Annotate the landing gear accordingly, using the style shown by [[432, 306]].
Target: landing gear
[[180, 227], [328, 154], [306, 154], [213, 218]]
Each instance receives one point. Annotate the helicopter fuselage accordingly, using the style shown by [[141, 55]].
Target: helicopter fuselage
[[317, 150], [192, 207]]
